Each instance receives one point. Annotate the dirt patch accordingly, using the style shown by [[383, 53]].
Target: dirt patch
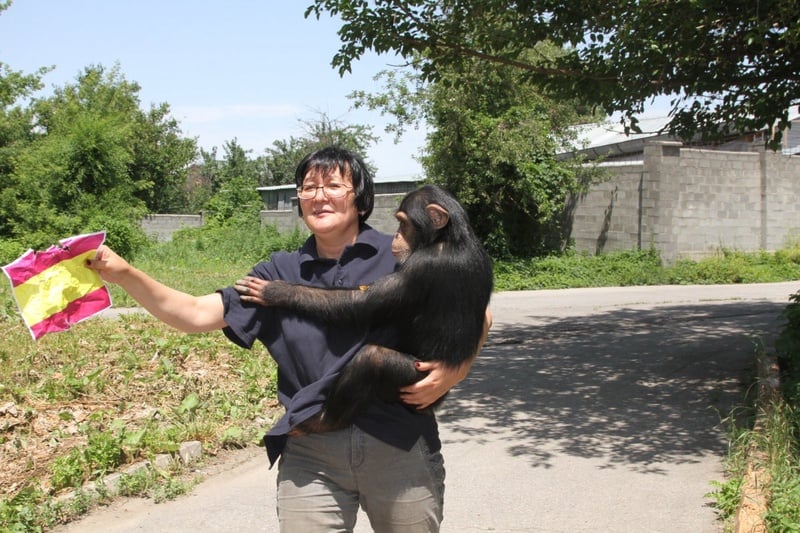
[[753, 504]]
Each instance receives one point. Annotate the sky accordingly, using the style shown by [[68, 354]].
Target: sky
[[248, 70]]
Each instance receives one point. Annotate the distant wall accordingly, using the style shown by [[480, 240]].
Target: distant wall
[[689, 202], [382, 217], [683, 201], [161, 227]]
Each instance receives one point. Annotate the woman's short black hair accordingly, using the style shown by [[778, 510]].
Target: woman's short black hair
[[325, 160]]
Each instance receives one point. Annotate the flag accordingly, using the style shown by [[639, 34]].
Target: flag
[[54, 289]]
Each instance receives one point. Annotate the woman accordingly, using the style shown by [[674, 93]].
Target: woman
[[389, 461]]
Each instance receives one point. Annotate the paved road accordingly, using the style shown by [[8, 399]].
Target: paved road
[[589, 410]]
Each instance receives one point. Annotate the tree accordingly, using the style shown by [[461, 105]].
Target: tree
[[493, 139], [284, 155], [95, 160], [161, 158], [16, 132], [727, 66], [233, 179], [236, 162]]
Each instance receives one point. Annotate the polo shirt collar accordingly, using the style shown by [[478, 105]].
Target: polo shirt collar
[[367, 237]]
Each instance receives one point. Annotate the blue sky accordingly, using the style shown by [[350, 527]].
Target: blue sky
[[245, 69]]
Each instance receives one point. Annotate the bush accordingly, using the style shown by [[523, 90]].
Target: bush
[[125, 237], [10, 250], [571, 270], [788, 350]]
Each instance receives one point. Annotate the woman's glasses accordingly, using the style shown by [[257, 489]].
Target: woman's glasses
[[331, 190]]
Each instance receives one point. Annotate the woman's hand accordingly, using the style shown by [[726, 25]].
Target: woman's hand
[[251, 289], [439, 380], [111, 267]]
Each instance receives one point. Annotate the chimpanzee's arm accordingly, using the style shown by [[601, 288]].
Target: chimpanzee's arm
[[329, 305], [382, 301]]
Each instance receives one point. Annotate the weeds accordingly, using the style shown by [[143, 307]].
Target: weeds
[[75, 406], [644, 267]]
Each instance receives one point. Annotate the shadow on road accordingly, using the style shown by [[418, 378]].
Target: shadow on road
[[635, 387]]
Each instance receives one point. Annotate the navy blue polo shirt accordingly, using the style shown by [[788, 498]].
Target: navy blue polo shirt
[[309, 353]]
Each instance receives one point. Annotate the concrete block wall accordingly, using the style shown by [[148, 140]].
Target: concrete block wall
[[161, 227], [382, 217], [710, 199], [782, 188], [691, 202], [607, 217]]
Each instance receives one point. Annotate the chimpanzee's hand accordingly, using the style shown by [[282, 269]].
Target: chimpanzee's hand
[[252, 289]]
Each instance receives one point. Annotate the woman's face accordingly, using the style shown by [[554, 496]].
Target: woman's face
[[329, 216]]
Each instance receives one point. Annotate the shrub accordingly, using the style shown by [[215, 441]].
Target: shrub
[[10, 250], [125, 237]]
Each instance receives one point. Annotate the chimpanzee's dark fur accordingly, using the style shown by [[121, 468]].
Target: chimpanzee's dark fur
[[437, 299]]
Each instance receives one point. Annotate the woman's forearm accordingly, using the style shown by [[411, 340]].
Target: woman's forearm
[[191, 314]]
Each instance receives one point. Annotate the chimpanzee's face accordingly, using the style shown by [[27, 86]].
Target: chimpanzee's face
[[403, 237]]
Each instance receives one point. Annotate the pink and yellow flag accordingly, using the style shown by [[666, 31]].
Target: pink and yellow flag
[[54, 289]]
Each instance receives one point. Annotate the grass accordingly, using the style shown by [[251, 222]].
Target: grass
[[644, 267], [77, 405]]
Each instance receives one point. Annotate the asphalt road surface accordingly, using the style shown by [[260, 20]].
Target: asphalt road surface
[[597, 410]]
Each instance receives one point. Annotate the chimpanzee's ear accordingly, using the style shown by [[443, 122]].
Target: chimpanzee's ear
[[438, 215]]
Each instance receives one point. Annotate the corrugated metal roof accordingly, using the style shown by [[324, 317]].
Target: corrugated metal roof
[[609, 140], [610, 133]]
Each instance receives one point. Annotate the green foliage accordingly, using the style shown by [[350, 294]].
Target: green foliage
[[493, 140], [777, 437], [217, 178], [643, 267], [102, 453], [148, 483], [284, 155], [788, 350], [124, 236], [91, 154], [235, 164], [9, 250], [634, 267], [237, 201], [780, 442], [727, 496], [19, 514], [161, 156], [723, 64], [730, 266], [68, 470], [784, 506]]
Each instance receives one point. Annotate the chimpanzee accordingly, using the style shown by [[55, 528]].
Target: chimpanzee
[[437, 300]]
